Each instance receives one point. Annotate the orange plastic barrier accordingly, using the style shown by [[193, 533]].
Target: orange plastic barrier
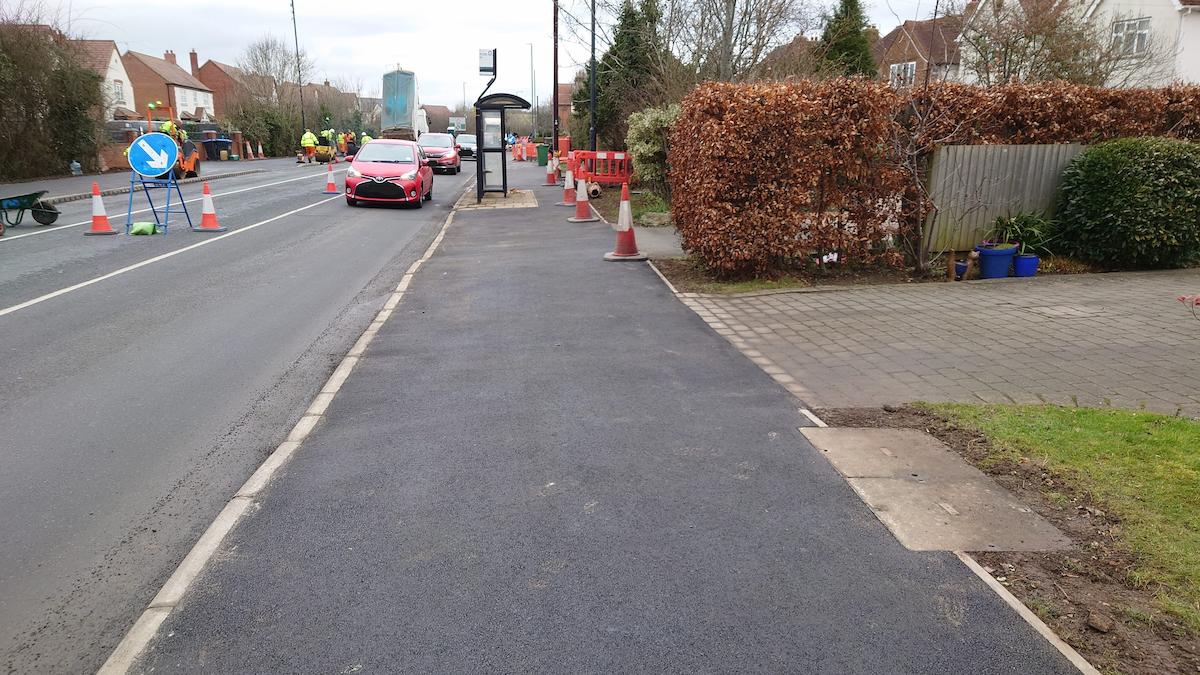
[[604, 167]]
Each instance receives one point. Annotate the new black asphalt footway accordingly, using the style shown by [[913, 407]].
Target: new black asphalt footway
[[546, 463]]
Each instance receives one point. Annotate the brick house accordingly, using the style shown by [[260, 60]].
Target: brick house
[[156, 79], [915, 49], [229, 84], [104, 59]]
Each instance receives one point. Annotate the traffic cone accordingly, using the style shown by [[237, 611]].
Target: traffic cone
[[99, 217], [583, 210], [568, 189], [330, 186], [626, 243], [260, 152], [208, 215], [551, 172], [249, 150]]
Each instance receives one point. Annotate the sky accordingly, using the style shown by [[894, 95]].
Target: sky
[[360, 41]]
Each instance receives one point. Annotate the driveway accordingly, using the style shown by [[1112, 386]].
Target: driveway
[[1089, 340]]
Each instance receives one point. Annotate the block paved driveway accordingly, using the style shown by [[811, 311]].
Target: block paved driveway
[[1092, 340]]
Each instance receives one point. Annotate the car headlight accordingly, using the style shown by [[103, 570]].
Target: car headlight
[[353, 173], [410, 175]]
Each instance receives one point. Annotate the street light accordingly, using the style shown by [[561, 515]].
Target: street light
[[592, 102], [533, 87], [299, 84]]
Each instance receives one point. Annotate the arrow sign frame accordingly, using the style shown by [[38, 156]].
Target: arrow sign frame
[[151, 155]]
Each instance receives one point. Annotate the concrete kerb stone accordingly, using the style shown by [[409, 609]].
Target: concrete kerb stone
[[125, 190]]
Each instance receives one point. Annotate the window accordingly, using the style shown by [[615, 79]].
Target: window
[[1131, 36], [391, 153], [436, 140], [904, 74], [118, 91]]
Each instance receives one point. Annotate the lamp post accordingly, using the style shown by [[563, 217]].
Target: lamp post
[[532, 88], [299, 84], [592, 103]]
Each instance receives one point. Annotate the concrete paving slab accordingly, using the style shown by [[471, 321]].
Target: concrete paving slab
[[929, 497], [961, 515]]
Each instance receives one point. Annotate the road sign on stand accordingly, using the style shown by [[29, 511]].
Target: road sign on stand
[[152, 155]]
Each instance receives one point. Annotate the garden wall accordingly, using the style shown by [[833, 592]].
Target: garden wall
[[765, 175]]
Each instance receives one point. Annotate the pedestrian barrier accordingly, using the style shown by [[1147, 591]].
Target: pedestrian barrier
[[330, 186], [626, 248], [568, 188], [603, 167], [583, 209], [100, 223], [208, 215]]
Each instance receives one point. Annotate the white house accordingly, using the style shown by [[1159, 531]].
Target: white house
[[103, 58], [1168, 31]]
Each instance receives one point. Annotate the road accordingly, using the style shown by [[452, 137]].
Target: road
[[146, 377]]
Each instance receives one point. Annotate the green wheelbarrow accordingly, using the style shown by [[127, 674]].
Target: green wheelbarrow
[[43, 212]]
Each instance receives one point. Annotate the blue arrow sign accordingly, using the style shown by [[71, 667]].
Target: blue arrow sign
[[153, 154]]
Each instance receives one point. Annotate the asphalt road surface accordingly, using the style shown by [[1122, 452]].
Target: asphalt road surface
[[145, 380], [546, 463]]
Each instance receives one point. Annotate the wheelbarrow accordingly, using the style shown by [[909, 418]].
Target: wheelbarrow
[[43, 212]]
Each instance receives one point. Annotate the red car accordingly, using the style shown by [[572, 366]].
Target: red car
[[390, 171], [442, 151]]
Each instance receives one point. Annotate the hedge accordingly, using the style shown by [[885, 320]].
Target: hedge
[[1132, 203], [764, 175]]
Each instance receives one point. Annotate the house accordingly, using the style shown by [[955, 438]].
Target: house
[[372, 111], [1163, 34], [104, 59], [230, 84], [156, 79], [916, 50], [438, 116], [798, 58], [321, 98]]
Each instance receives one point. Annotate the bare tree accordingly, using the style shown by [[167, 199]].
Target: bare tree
[[1006, 40], [274, 59]]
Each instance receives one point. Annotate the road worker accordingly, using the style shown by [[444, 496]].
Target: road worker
[[309, 142]]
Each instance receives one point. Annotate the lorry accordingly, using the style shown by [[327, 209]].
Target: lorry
[[402, 116]]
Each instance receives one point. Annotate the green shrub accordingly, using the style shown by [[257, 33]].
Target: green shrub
[[1030, 230], [1132, 203], [647, 142]]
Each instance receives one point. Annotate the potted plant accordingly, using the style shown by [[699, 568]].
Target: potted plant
[[1031, 230], [996, 252]]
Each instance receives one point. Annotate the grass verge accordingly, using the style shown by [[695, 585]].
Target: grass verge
[[641, 203], [1145, 468], [690, 276]]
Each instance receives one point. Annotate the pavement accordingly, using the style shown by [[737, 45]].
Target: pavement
[[545, 463], [59, 186], [145, 378], [1090, 340]]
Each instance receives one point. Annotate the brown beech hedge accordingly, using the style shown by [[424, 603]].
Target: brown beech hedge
[[765, 175]]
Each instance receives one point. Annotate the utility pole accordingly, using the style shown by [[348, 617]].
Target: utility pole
[[299, 84], [592, 127], [554, 93]]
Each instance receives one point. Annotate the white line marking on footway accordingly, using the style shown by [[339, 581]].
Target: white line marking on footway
[[1030, 618], [169, 596], [158, 258], [216, 195], [810, 415]]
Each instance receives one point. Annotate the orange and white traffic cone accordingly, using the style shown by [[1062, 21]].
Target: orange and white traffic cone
[[626, 242], [568, 189], [260, 152], [330, 186], [208, 215], [551, 172], [249, 151], [99, 217], [583, 210]]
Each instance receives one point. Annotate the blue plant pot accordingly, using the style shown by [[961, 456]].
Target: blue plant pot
[[960, 268], [1025, 265], [994, 263]]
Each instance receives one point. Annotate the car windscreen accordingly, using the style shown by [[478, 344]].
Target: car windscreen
[[466, 138], [385, 152], [436, 141]]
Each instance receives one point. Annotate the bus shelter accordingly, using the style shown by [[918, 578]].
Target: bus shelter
[[491, 170]]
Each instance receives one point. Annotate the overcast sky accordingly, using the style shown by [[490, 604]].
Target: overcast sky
[[362, 40]]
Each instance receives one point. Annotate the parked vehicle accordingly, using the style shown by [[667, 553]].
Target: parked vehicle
[[467, 145], [389, 171], [442, 152]]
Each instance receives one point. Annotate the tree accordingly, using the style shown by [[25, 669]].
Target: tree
[[845, 41], [1052, 40]]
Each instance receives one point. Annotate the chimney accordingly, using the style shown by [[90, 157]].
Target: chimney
[[195, 64], [169, 56], [326, 83]]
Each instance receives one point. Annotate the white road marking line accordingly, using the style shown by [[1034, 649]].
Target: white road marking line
[[1030, 618], [158, 258], [215, 195], [146, 627], [810, 415]]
